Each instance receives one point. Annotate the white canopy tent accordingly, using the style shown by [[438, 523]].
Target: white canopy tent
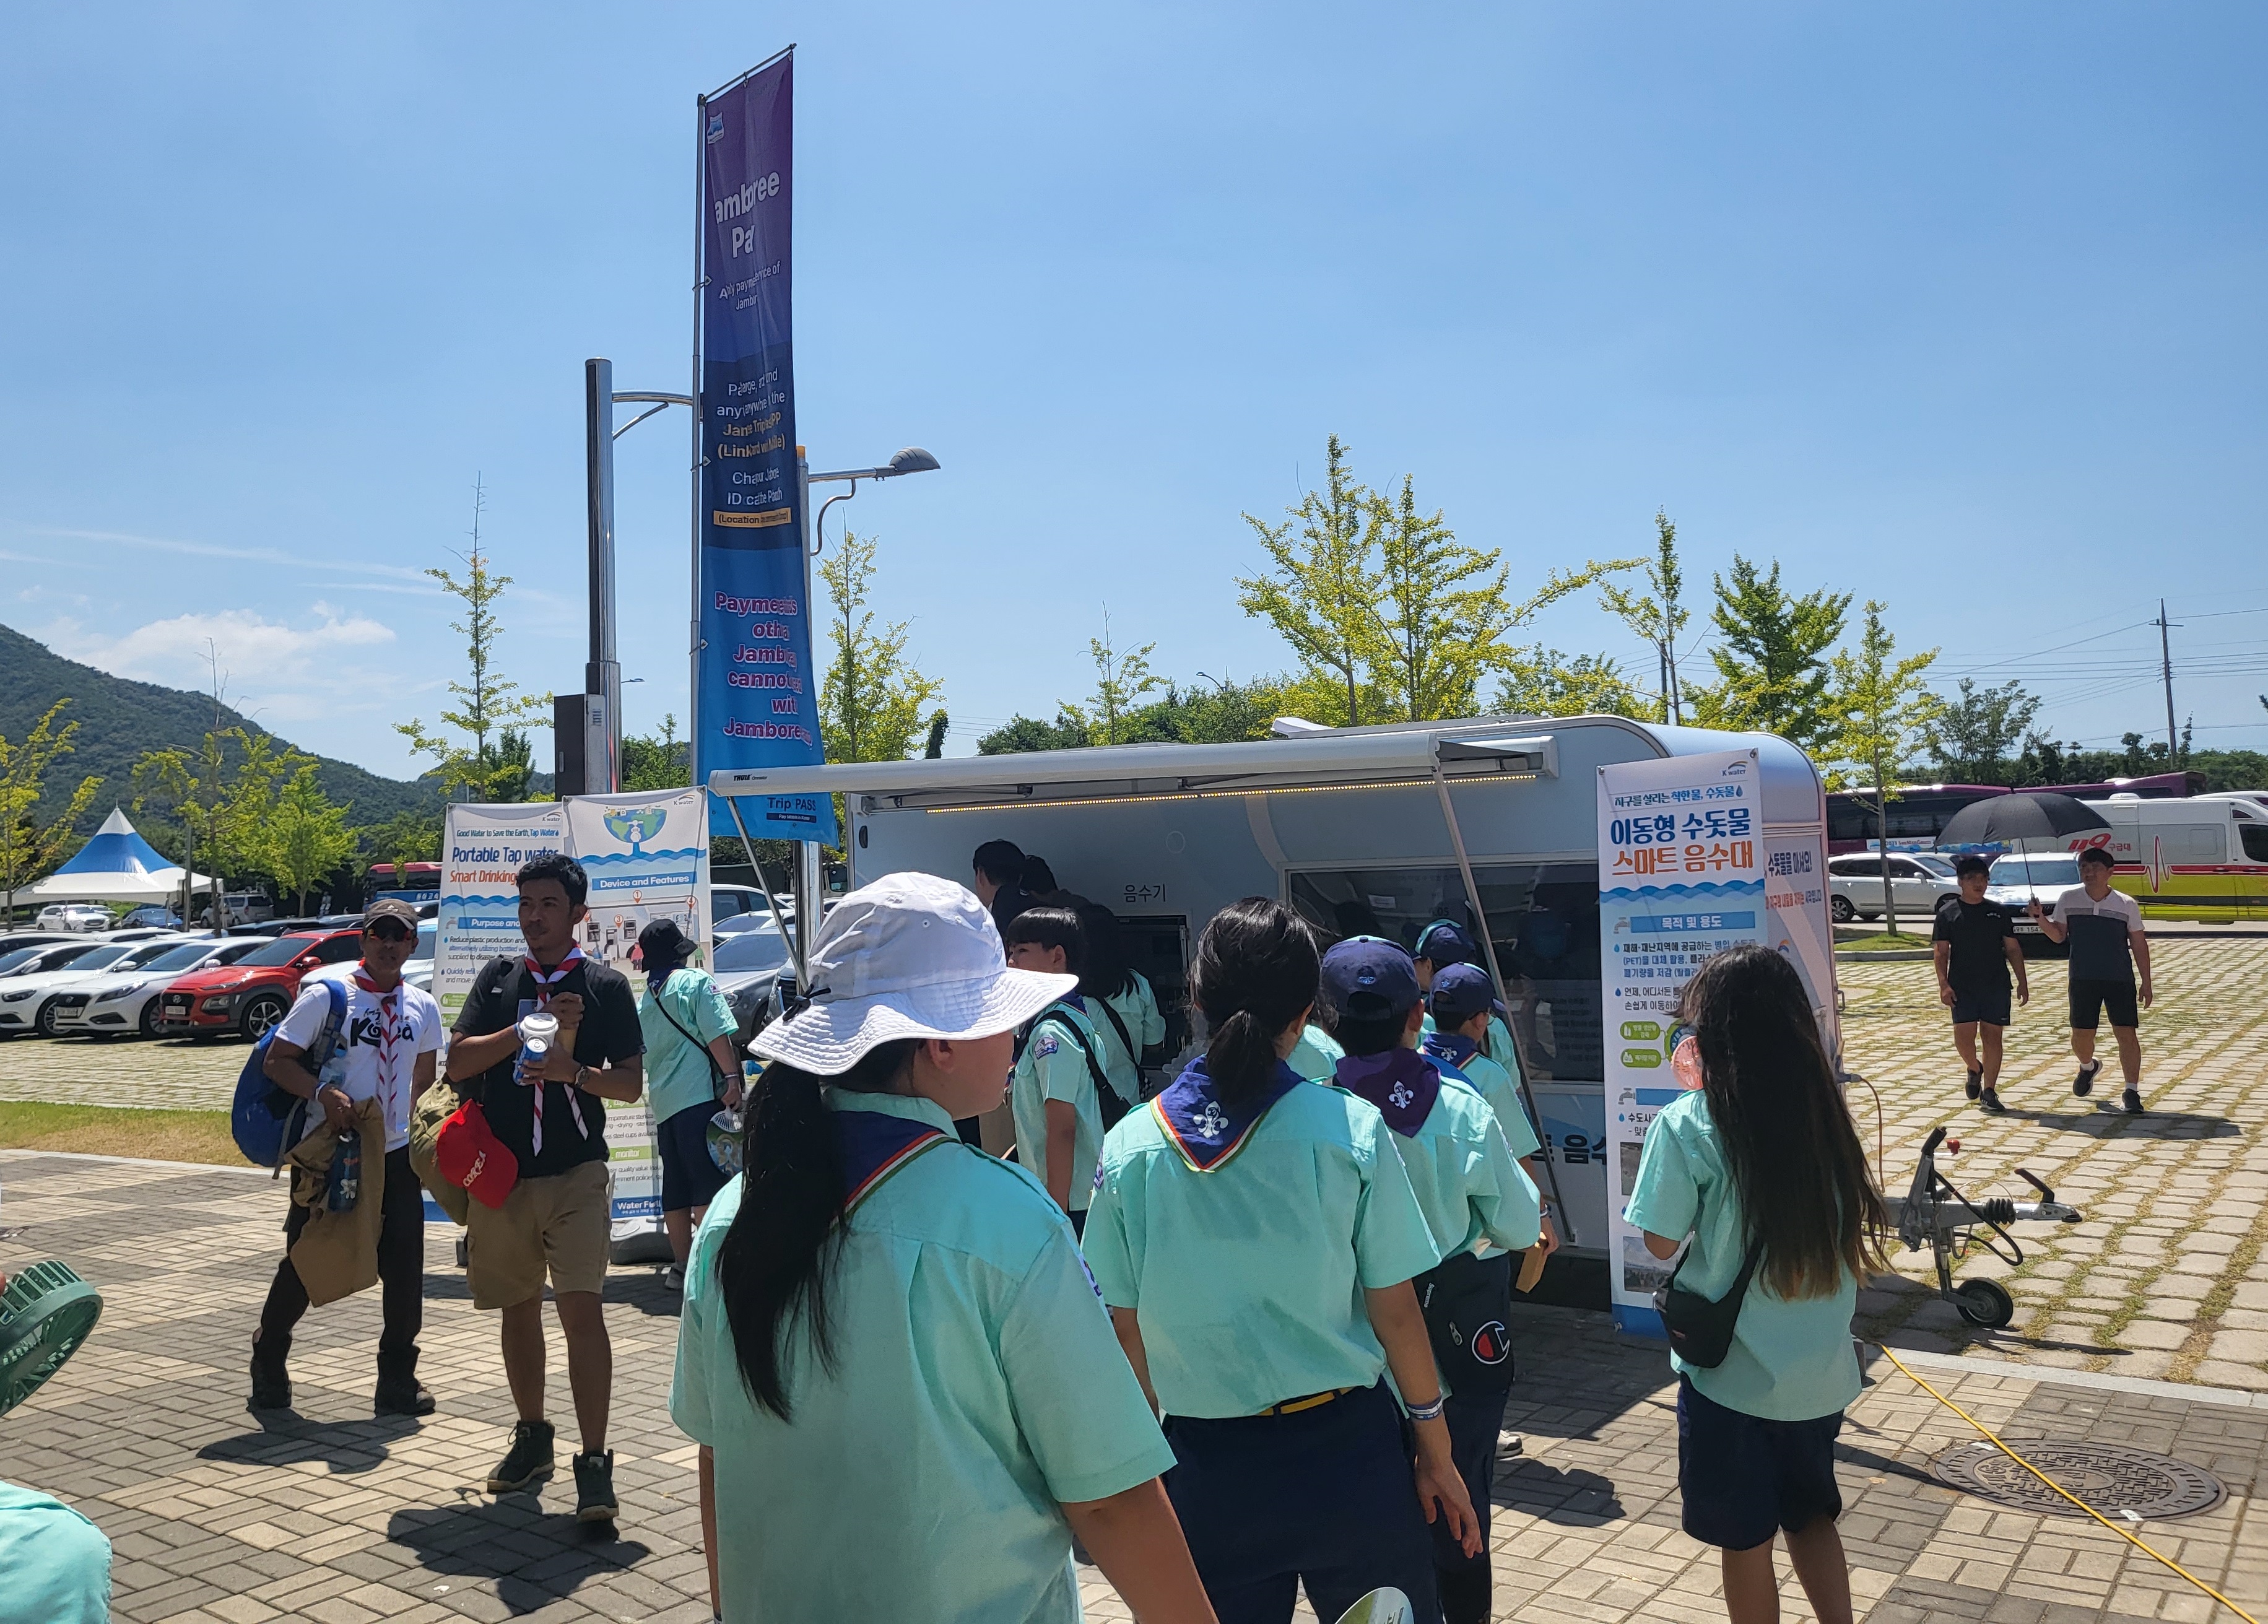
[[117, 865]]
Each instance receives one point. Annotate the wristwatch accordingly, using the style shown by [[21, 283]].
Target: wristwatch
[[580, 1073]]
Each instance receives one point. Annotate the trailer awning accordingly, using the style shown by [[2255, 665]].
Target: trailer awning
[[1340, 760]]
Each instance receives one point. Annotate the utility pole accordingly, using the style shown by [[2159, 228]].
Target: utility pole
[[2166, 662]]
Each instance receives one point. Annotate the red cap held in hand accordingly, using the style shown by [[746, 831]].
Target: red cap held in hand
[[469, 1155]]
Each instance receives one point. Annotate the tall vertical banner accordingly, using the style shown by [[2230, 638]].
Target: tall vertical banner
[[758, 698]]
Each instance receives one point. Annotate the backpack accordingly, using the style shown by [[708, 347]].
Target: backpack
[[268, 1121], [1106, 1098]]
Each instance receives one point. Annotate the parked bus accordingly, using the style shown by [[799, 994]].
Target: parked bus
[[1918, 812]]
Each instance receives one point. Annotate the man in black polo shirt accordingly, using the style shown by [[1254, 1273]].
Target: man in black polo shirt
[[556, 1221], [1974, 944]]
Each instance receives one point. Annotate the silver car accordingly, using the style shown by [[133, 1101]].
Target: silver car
[[123, 1002], [1919, 880]]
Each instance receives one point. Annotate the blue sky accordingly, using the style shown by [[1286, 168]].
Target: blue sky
[[1955, 306]]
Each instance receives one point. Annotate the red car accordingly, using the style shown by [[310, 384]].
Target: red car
[[253, 994]]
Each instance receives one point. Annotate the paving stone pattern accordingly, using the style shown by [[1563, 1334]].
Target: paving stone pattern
[[173, 1075], [333, 1517]]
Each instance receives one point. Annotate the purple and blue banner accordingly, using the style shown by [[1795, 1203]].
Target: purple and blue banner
[[758, 705]]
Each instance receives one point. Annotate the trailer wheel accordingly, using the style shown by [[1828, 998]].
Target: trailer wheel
[[1984, 1302]]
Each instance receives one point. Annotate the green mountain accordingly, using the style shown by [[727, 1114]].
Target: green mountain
[[118, 719]]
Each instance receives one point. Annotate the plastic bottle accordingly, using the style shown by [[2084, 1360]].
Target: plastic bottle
[[346, 1173]]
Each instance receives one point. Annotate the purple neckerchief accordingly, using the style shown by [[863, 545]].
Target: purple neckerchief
[[1452, 1047], [1205, 1132], [873, 1146], [1401, 1083]]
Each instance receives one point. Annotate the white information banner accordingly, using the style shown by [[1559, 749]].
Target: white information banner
[[482, 851]]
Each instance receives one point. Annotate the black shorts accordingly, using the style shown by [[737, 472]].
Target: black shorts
[[1981, 1006], [689, 1175], [2091, 998], [1742, 1476]]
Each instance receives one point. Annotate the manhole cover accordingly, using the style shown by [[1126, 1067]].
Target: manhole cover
[[2109, 1477]]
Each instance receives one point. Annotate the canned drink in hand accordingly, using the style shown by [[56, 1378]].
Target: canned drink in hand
[[538, 1031]]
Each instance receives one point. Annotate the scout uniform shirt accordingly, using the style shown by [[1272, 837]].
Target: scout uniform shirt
[[1460, 1168], [1790, 1360], [1243, 1241], [979, 1385], [1461, 1060], [1053, 1066], [1137, 1008], [1316, 1056], [679, 1075]]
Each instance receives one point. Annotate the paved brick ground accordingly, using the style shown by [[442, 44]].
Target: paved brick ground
[[174, 1075], [333, 1517]]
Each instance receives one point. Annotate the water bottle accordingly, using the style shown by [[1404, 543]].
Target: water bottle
[[346, 1173], [538, 1031]]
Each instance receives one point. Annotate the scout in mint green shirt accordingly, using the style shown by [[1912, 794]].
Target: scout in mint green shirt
[[1462, 1172], [55, 1564], [1790, 1360], [1136, 1009], [1053, 1066], [678, 1073], [1247, 1280], [980, 1386], [1316, 1056], [1494, 1084]]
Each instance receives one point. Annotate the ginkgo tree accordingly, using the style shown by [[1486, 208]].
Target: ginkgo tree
[[30, 844], [1880, 709]]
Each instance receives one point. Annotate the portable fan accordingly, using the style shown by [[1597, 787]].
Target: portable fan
[[45, 1315]]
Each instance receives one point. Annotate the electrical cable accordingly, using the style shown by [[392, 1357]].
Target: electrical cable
[[1999, 1444]]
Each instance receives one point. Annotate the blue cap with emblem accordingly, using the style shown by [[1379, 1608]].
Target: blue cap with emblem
[[1446, 942], [1369, 978], [1460, 991]]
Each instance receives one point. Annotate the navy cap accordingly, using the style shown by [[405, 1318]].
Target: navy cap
[[1446, 942], [1459, 992], [1369, 978]]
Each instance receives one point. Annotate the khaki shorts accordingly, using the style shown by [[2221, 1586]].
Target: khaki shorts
[[561, 1224]]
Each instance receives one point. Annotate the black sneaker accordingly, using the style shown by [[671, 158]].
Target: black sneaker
[[528, 1460], [1989, 1102], [2132, 1101], [1976, 1082], [595, 1487], [271, 1388], [408, 1398], [2083, 1085]]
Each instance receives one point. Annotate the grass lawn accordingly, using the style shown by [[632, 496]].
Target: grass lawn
[[1882, 942], [101, 1130]]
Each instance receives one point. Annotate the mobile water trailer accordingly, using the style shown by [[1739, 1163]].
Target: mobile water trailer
[[1375, 830]]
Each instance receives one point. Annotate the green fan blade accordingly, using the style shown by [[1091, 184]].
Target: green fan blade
[[45, 1315]]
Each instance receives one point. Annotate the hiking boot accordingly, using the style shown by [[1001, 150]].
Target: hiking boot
[[401, 1398], [2083, 1085], [1989, 1102], [271, 1388], [595, 1487], [2132, 1100], [528, 1460], [1976, 1082]]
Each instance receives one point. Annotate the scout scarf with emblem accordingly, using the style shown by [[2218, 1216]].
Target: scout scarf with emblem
[[543, 985], [873, 1146], [389, 1012], [1401, 1083], [1452, 1047], [1207, 1133]]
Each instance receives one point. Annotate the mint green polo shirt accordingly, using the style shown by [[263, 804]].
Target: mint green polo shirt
[[55, 1564], [677, 1074], [1467, 1183], [1316, 1056], [1247, 1281], [1137, 1009], [1790, 1360], [979, 1385], [1053, 1067], [1497, 1086]]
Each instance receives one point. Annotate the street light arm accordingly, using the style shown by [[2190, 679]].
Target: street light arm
[[666, 400], [640, 418]]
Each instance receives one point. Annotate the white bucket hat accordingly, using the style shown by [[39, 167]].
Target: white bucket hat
[[909, 956]]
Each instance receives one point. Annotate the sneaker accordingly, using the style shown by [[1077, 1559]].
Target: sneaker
[[674, 1278], [408, 1398], [2132, 1101], [2083, 1085], [1989, 1101], [271, 1388], [1976, 1082], [528, 1460], [595, 1487]]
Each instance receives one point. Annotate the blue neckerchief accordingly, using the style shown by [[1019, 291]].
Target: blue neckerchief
[[1401, 1083], [873, 1146], [1452, 1047], [1206, 1132]]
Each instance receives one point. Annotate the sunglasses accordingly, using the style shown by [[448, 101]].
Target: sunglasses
[[390, 930]]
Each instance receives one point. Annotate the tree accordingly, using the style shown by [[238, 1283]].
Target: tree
[[490, 707], [1544, 682], [934, 749], [1976, 737], [1881, 710], [29, 847], [1657, 615], [1770, 659], [304, 836], [512, 766], [405, 838], [870, 704], [223, 792], [1020, 734], [1122, 676], [1323, 594], [656, 761]]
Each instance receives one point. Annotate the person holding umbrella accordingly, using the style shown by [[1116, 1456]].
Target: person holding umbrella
[[2104, 928]]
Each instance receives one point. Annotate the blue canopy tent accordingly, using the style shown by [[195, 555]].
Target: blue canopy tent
[[117, 865]]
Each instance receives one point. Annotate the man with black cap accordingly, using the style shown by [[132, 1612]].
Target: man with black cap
[[384, 1051]]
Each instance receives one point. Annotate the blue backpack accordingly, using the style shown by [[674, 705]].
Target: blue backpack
[[268, 1121]]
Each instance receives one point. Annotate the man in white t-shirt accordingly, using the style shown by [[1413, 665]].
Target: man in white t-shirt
[[386, 1052], [2108, 945]]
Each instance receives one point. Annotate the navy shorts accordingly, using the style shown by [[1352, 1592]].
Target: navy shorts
[[2092, 998], [1742, 1477], [690, 1176], [1977, 1006]]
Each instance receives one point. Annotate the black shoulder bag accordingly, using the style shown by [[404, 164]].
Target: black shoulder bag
[[719, 1083], [1141, 1078], [1106, 1098], [1700, 1331]]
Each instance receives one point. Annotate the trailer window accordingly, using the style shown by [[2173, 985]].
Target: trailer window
[[1542, 920]]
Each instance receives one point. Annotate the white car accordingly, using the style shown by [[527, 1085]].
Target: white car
[[26, 995], [1919, 880], [74, 916], [2018, 880], [418, 972], [124, 1000]]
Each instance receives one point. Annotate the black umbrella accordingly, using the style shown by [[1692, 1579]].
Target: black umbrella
[[2005, 820]]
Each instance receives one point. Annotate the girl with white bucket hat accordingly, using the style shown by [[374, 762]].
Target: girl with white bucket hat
[[906, 1390]]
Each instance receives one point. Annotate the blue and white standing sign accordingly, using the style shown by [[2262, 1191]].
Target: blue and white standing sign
[[758, 699], [1681, 864]]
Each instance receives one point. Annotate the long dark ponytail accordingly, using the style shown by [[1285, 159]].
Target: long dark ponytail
[[1790, 1145], [777, 1259], [1256, 970]]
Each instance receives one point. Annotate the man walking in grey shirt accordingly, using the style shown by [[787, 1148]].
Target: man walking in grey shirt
[[2104, 928]]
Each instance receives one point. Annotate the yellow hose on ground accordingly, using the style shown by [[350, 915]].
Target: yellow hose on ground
[[1996, 1444]]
